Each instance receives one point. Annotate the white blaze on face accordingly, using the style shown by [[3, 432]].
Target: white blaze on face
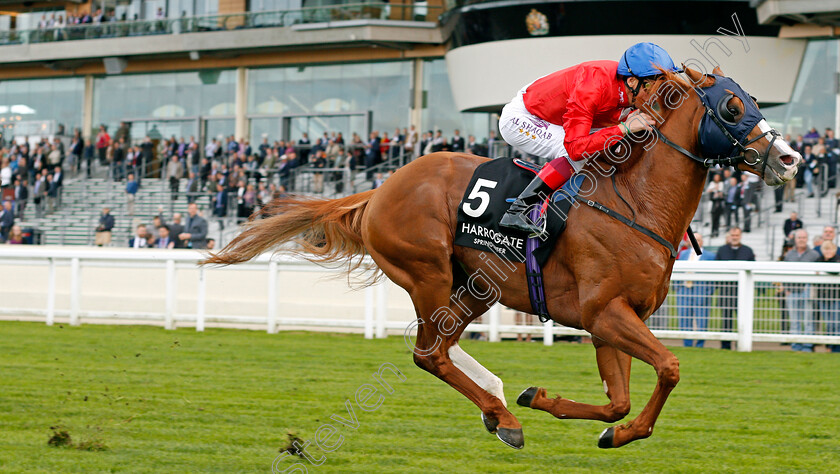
[[477, 373], [779, 144]]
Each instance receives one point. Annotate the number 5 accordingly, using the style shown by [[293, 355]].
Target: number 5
[[478, 193]]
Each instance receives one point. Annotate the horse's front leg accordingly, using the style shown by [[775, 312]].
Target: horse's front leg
[[614, 367], [620, 327]]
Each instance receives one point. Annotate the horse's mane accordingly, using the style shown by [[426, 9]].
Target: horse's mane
[[676, 78]]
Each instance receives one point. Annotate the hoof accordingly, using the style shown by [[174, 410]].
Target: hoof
[[526, 397], [605, 441], [512, 437], [491, 425]]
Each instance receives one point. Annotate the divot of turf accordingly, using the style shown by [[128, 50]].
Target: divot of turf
[[290, 446], [59, 438]]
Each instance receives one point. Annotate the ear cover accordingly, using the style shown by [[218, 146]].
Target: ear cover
[[713, 142]]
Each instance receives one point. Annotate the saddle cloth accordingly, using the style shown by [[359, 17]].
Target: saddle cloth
[[493, 186]]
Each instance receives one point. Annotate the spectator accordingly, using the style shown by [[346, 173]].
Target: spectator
[[52, 193], [828, 296], [56, 155], [798, 294], [39, 194], [811, 168], [437, 142], [384, 147], [378, 180], [211, 149], [320, 162], [58, 179], [250, 200], [458, 142], [15, 236], [174, 172], [791, 224], [412, 140], [157, 221], [6, 174], [728, 296], [118, 158], [77, 148], [7, 220], [196, 229], [332, 151], [21, 197], [716, 195], [103, 141], [828, 235], [693, 297], [140, 239], [303, 148], [219, 201], [733, 201], [193, 187], [373, 154], [176, 229], [163, 240], [264, 195], [103, 230], [747, 190], [474, 147], [211, 244], [131, 188]]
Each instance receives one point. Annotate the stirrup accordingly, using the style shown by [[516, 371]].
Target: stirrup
[[523, 219], [540, 233]]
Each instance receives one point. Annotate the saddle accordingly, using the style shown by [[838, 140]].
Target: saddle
[[493, 186]]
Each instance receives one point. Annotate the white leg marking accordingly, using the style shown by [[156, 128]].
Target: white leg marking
[[605, 386], [477, 373]]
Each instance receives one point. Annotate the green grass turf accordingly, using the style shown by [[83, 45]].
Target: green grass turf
[[225, 401]]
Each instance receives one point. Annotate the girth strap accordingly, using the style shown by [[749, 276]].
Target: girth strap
[[533, 271], [615, 215]]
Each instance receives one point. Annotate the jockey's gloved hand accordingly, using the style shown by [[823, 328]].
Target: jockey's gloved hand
[[638, 121]]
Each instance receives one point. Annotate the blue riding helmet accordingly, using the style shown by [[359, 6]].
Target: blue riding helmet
[[641, 59]]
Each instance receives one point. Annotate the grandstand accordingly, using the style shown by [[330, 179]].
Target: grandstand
[[241, 72]]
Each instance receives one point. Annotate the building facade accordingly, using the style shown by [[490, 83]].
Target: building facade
[[279, 68]]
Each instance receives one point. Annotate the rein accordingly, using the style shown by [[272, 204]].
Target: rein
[[746, 150], [748, 155]]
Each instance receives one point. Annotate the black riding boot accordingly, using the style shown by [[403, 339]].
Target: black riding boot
[[516, 216]]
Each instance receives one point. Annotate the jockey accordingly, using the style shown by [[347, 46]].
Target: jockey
[[552, 118]]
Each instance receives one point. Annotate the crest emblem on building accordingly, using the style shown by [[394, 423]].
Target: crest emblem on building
[[537, 23]]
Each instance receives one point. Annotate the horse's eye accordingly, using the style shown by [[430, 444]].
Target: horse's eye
[[728, 110]]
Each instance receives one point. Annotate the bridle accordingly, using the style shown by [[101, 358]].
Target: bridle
[[741, 152]]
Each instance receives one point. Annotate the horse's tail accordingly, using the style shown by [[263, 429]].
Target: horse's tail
[[326, 230]]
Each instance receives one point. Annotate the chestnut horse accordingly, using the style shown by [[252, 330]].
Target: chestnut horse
[[602, 276]]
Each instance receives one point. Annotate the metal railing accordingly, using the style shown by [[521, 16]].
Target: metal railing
[[235, 21]]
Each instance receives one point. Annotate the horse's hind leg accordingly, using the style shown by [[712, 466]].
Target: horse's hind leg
[[619, 326], [614, 367], [437, 351]]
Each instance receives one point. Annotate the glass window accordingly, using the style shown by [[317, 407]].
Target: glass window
[[440, 112], [812, 103], [55, 101], [276, 5], [380, 88], [208, 93]]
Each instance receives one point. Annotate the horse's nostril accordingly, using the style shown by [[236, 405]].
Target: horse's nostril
[[786, 160]]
